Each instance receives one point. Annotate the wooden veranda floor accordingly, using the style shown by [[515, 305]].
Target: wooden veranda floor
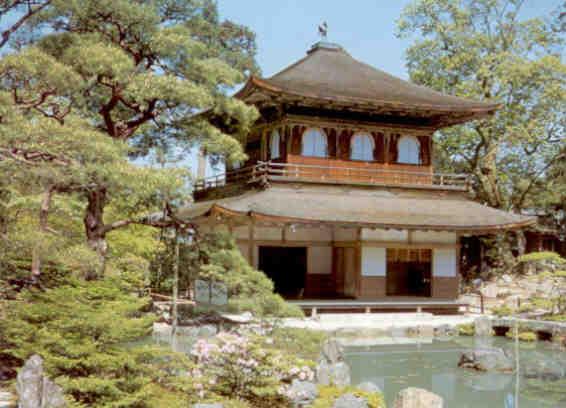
[[438, 306]]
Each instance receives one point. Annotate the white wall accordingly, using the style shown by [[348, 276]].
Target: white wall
[[374, 262], [444, 262], [438, 237], [319, 260], [384, 235]]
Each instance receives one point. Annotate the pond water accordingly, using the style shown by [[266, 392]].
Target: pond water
[[433, 366]]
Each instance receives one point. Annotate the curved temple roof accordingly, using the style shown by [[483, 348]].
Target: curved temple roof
[[329, 74], [369, 208]]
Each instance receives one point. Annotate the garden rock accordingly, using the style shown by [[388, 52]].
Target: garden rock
[[332, 352], [444, 330], [370, 387], [35, 390], [417, 398], [350, 401], [482, 326], [544, 369], [301, 393], [492, 360], [337, 374]]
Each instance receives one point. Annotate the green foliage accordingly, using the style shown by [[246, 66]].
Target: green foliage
[[84, 92], [246, 368], [303, 343], [466, 48], [541, 257], [502, 311], [466, 329], [82, 330], [526, 336], [328, 394], [216, 257]]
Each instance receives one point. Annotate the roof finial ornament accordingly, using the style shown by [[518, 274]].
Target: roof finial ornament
[[323, 30]]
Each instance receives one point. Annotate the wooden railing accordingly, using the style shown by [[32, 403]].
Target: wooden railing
[[266, 171]]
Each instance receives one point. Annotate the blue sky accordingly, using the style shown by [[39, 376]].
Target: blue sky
[[285, 29]]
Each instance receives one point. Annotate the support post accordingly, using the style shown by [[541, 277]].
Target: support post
[[251, 243]]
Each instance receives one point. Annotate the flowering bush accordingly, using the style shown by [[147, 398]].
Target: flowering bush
[[246, 367]]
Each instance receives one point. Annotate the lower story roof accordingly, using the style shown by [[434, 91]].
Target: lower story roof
[[367, 208]]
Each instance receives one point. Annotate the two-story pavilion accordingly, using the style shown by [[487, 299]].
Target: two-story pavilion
[[339, 198]]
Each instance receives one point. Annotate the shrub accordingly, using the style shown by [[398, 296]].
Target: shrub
[[247, 368], [501, 311], [82, 331], [526, 336], [248, 289], [466, 329], [329, 394], [544, 256]]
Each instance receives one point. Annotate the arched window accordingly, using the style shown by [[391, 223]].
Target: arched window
[[315, 143], [274, 144], [361, 147], [408, 149]]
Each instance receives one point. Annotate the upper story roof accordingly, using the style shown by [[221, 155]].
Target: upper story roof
[[328, 77]]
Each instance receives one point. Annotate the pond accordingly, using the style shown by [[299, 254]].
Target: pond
[[433, 366]]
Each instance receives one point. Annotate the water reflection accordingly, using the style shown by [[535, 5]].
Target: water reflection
[[433, 366]]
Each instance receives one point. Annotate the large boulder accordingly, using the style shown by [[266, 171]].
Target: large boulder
[[35, 390], [368, 386], [337, 374], [490, 360], [417, 398], [332, 352], [331, 368], [482, 326], [544, 368], [350, 401], [301, 393]]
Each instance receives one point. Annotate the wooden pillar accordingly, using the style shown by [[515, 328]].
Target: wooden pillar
[[386, 139], [251, 242], [358, 262]]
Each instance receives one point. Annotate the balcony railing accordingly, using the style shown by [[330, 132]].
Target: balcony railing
[[271, 171]]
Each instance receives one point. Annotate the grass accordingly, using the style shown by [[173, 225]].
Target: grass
[[329, 394], [303, 343]]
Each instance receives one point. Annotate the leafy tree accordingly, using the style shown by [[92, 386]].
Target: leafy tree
[[86, 333], [485, 50], [101, 81], [216, 257]]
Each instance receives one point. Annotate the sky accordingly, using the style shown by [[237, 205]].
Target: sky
[[286, 29]]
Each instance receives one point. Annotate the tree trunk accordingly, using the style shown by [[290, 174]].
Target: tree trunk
[[94, 227], [175, 284], [43, 216]]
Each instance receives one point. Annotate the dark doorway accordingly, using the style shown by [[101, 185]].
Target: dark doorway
[[409, 272], [286, 267]]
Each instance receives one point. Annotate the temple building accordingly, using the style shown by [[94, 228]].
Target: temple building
[[339, 203]]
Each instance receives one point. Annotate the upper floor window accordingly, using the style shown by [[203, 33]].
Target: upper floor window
[[408, 149], [315, 143], [275, 142], [362, 147]]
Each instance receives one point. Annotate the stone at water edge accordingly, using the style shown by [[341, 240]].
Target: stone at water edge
[[492, 360], [301, 393], [370, 387], [332, 352], [337, 374], [350, 401], [417, 398], [482, 326], [35, 390]]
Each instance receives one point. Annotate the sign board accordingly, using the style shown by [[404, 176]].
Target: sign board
[[213, 293]]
